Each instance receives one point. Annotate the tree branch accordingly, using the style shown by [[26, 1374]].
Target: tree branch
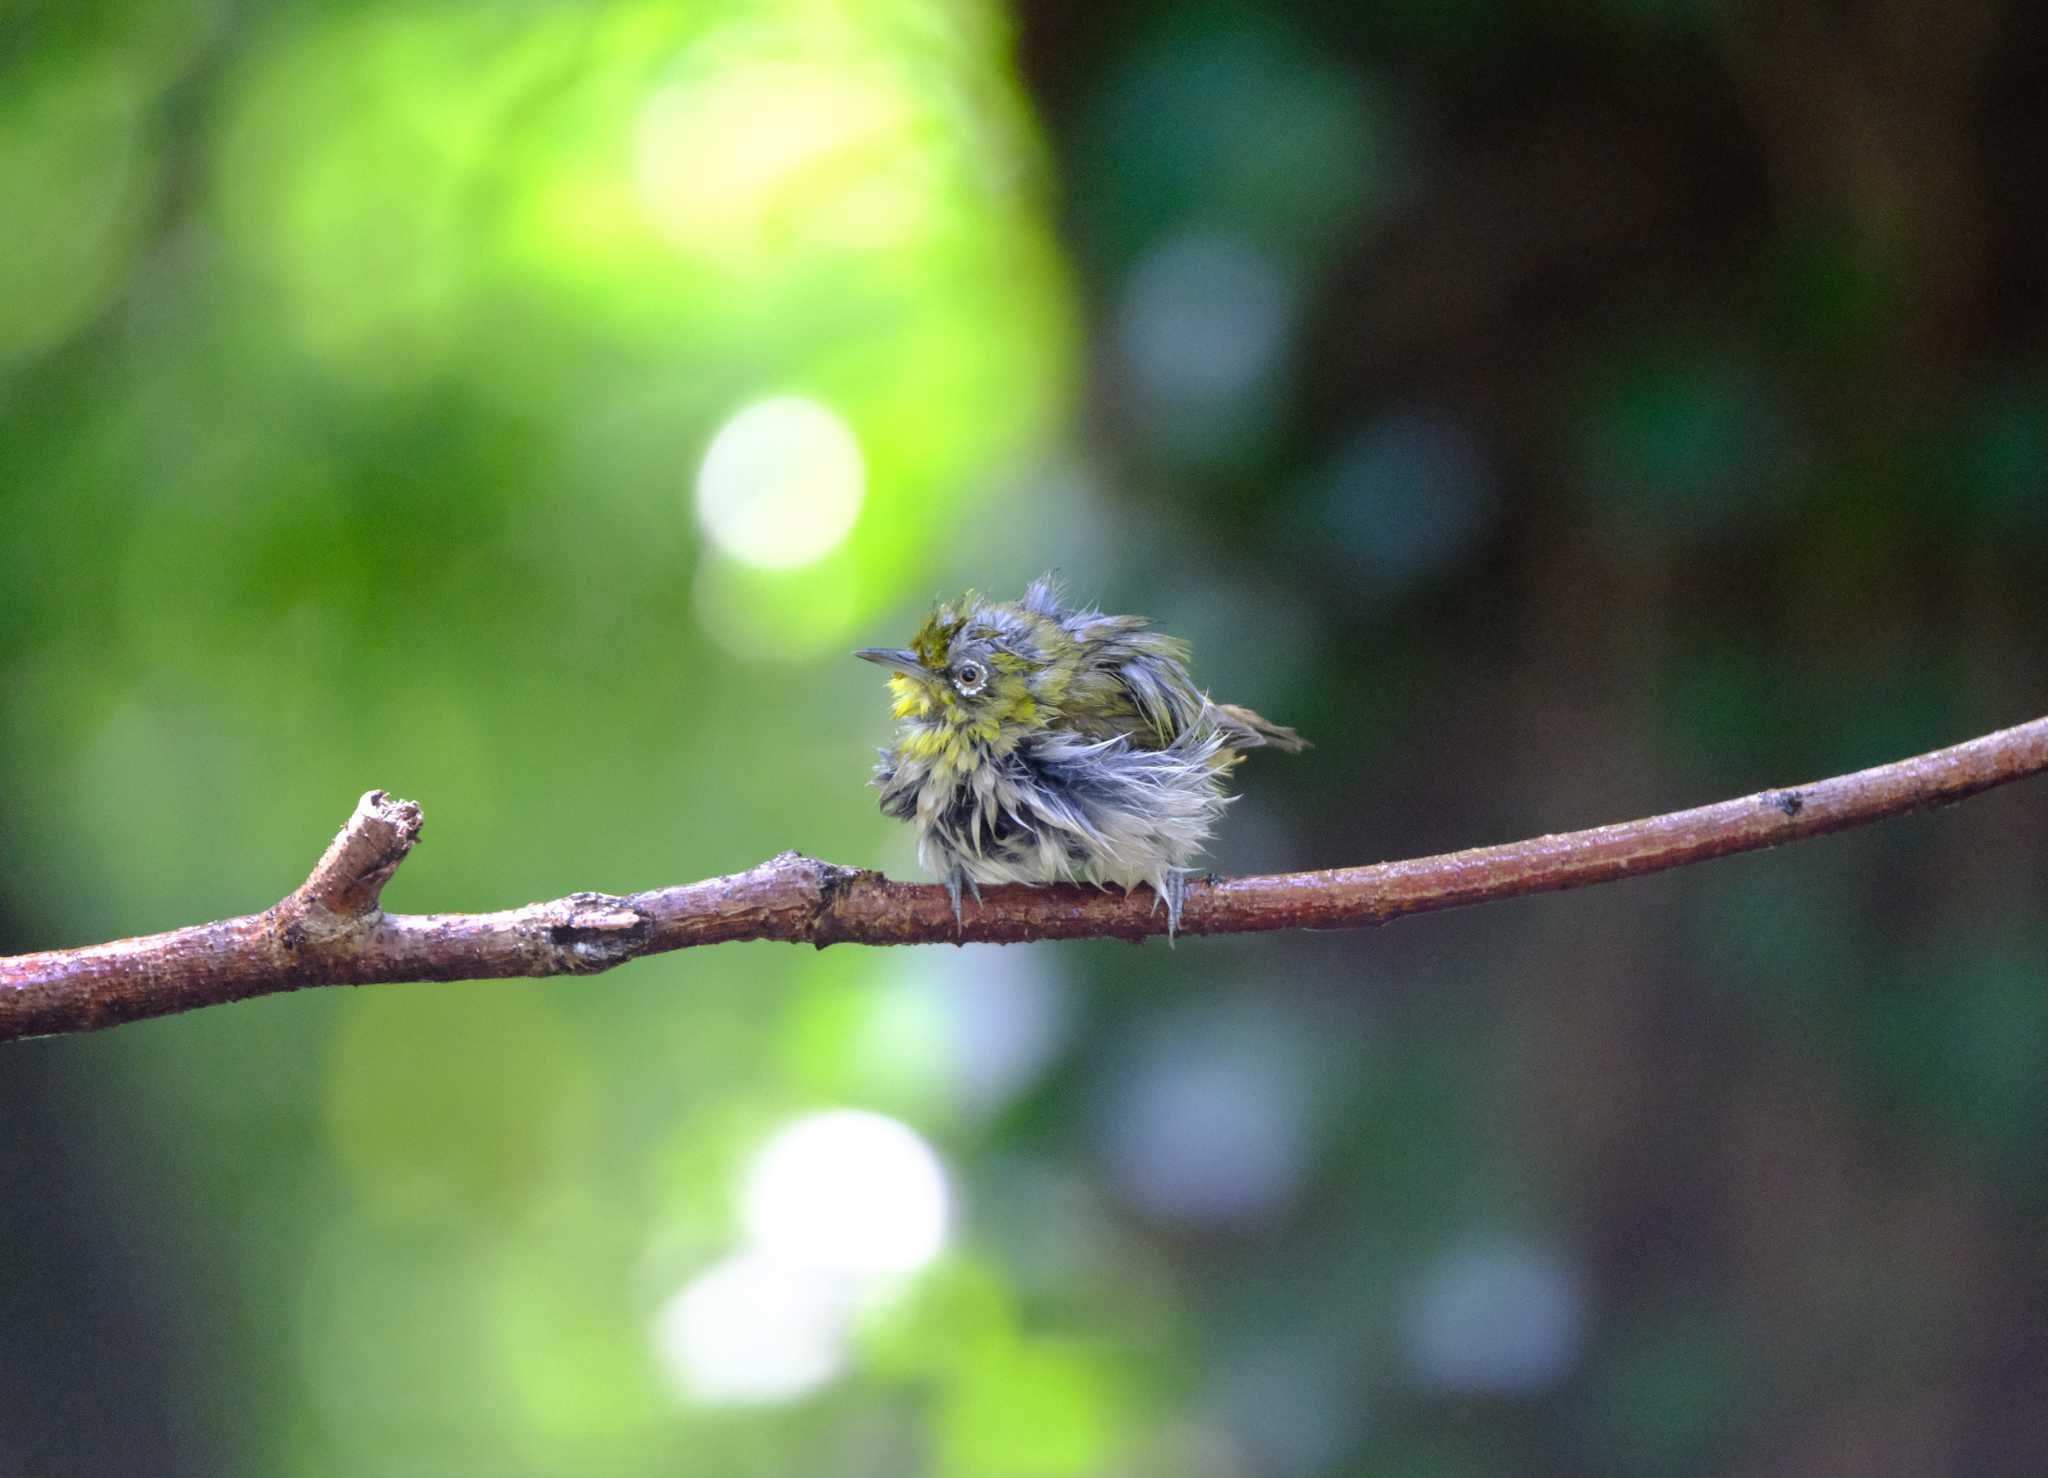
[[330, 930]]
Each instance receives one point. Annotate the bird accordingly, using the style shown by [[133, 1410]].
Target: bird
[[1039, 741]]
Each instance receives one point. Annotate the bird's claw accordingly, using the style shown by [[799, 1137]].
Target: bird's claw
[[955, 881], [1171, 889]]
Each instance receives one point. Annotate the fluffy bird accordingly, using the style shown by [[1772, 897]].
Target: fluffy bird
[[1040, 743]]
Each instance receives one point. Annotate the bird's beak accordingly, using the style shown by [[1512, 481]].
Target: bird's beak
[[900, 659]]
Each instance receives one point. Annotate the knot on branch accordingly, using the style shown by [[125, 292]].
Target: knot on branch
[[589, 932]]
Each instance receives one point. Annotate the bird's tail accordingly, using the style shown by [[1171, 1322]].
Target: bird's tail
[[1243, 729]]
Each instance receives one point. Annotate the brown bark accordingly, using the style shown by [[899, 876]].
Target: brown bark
[[330, 930]]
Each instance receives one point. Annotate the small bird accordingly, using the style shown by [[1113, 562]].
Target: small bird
[[1040, 743]]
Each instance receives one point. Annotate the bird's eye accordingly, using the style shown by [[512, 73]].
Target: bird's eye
[[968, 677]]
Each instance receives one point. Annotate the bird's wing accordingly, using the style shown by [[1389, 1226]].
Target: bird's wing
[[1132, 682]]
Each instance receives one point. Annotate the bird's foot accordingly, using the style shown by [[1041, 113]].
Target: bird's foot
[[1171, 887], [955, 881]]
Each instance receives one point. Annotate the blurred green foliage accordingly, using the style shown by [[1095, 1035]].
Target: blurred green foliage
[[1557, 416]]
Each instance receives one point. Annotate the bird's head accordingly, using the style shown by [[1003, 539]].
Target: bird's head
[[975, 668]]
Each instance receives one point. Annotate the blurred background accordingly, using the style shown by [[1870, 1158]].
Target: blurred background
[[1561, 413]]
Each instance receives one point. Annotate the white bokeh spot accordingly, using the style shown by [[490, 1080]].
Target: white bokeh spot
[[781, 484], [848, 1192], [753, 1329]]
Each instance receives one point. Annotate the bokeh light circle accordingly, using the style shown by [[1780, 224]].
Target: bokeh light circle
[[781, 484], [752, 1329], [850, 1191], [1499, 1317]]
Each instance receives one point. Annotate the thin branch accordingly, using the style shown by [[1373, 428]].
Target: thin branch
[[330, 930]]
